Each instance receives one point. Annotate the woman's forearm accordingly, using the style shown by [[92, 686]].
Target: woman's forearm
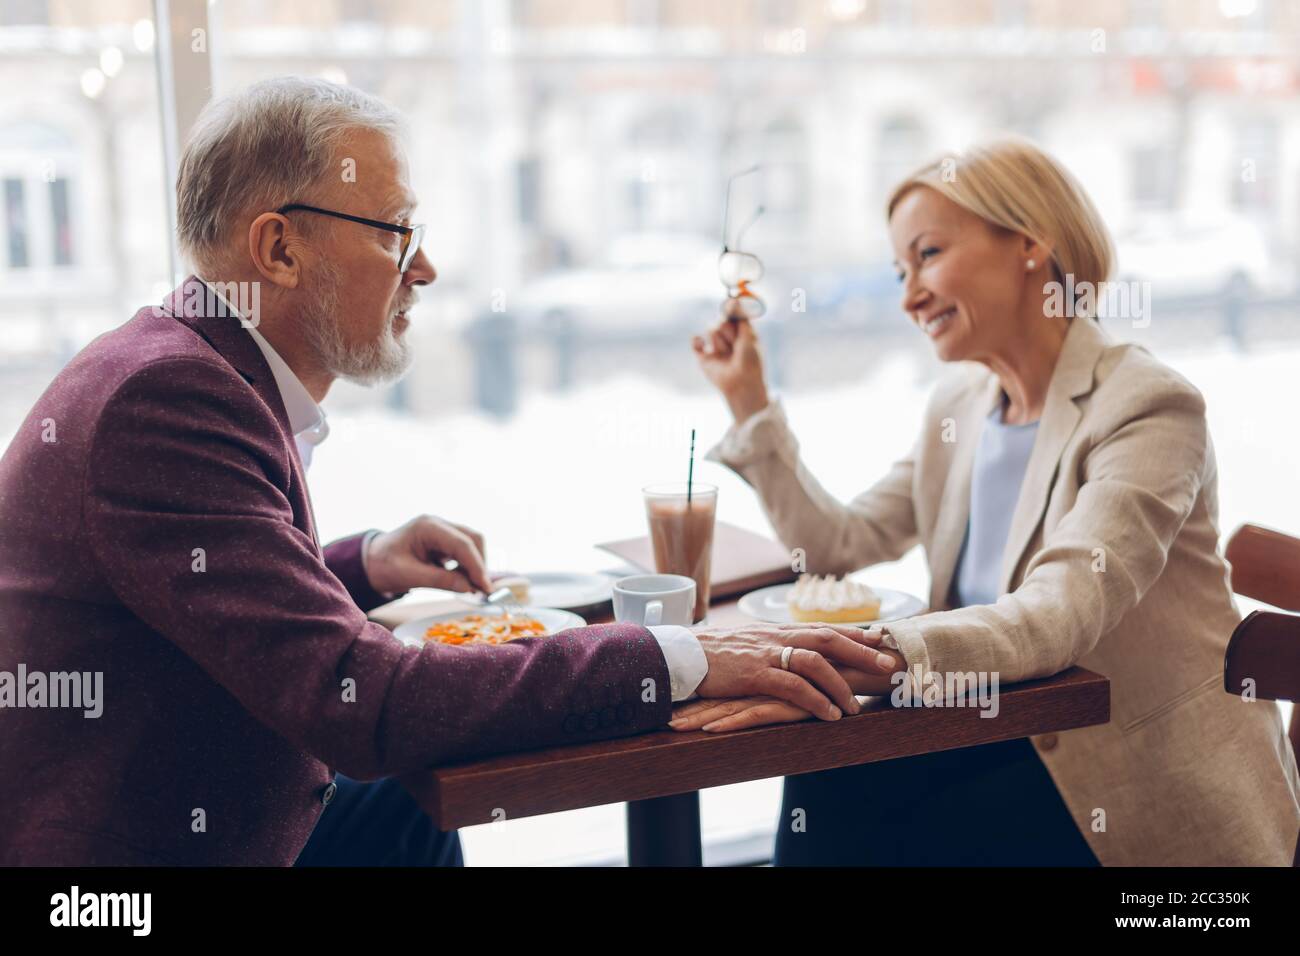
[[746, 403]]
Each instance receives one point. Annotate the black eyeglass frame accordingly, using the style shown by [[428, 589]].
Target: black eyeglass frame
[[411, 235]]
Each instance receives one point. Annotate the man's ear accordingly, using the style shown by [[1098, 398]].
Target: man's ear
[[277, 250]]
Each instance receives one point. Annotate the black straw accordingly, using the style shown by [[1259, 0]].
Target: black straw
[[690, 471]]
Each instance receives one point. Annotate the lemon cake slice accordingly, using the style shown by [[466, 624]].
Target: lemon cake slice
[[831, 600]]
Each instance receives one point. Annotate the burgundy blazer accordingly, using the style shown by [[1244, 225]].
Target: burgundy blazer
[[238, 678]]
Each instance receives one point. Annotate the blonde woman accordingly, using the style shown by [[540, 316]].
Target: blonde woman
[[1065, 491]]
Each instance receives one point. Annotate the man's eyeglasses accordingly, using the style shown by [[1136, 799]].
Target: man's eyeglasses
[[738, 269], [411, 235]]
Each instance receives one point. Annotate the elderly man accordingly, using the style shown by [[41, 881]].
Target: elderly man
[[158, 532]]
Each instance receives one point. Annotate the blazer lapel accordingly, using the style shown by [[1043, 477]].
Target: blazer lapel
[[1072, 378], [954, 509], [192, 304]]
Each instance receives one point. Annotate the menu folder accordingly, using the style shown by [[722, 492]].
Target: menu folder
[[742, 560]]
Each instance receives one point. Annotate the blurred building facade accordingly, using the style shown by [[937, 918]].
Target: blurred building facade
[[543, 131]]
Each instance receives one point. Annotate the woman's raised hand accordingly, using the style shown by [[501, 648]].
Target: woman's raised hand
[[730, 358]]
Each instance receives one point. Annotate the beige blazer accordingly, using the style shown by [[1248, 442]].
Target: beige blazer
[[1112, 563]]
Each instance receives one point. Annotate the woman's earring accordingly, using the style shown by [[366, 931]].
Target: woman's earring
[[1031, 265]]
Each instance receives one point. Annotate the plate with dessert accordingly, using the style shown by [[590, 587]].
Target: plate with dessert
[[829, 600], [490, 626]]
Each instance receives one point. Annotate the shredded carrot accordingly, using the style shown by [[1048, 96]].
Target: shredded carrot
[[481, 629]]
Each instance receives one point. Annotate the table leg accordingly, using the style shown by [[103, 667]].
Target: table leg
[[664, 831]]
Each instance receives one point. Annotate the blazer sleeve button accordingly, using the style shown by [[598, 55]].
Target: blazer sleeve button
[[327, 794], [590, 722], [1047, 742], [572, 724]]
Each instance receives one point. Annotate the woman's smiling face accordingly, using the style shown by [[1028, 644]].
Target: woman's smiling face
[[964, 281]]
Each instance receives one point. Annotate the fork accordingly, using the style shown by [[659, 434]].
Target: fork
[[502, 599]]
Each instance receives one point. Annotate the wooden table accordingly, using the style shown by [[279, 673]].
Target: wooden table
[[659, 775]]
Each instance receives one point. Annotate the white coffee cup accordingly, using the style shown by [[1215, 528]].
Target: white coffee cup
[[651, 599]]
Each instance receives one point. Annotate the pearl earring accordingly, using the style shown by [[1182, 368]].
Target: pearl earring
[[1030, 265]]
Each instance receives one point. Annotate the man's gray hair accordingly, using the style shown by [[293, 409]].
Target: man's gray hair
[[267, 145]]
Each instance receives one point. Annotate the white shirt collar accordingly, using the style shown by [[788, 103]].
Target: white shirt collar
[[306, 418]]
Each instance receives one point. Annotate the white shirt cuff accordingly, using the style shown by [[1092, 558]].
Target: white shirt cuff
[[759, 434], [687, 664]]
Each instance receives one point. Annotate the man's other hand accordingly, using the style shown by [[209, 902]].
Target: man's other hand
[[427, 552]]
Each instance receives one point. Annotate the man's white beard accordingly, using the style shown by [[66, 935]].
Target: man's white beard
[[384, 359]]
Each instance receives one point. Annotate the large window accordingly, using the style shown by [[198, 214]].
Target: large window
[[83, 194], [571, 159], [16, 223], [1257, 180], [60, 223], [40, 218]]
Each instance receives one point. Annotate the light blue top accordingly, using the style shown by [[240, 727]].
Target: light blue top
[[999, 470]]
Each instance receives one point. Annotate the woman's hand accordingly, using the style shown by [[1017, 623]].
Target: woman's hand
[[730, 358], [738, 713]]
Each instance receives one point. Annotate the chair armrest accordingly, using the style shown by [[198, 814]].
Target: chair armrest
[[1265, 648]]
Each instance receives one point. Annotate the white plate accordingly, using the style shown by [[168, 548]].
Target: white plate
[[769, 604], [553, 619], [568, 591]]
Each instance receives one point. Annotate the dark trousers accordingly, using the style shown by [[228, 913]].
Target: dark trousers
[[377, 824], [991, 805]]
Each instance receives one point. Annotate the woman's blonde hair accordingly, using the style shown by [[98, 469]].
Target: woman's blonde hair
[[1013, 184]]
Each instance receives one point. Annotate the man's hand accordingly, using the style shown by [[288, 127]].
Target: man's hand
[[746, 661], [718, 716], [420, 554]]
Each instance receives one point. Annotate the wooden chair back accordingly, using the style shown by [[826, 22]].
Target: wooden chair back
[[1265, 647]]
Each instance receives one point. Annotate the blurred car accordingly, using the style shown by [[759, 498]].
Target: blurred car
[[1182, 256], [643, 282], [856, 293]]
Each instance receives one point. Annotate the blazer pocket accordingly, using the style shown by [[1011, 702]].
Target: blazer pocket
[[1214, 680]]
